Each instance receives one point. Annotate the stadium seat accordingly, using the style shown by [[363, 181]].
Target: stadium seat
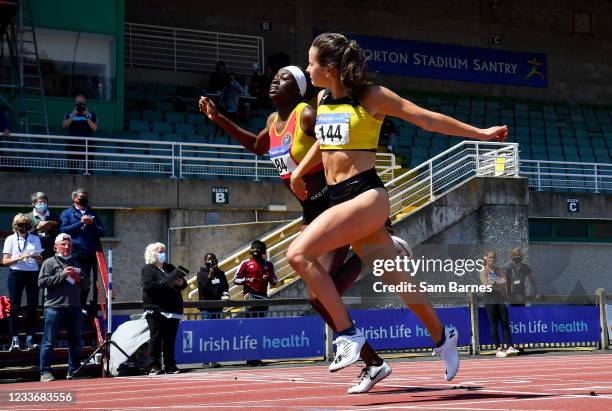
[[133, 115], [164, 106], [162, 127], [205, 130], [151, 115], [405, 141], [148, 135], [176, 118], [555, 153], [196, 119], [166, 89], [138, 126], [173, 137], [185, 129]]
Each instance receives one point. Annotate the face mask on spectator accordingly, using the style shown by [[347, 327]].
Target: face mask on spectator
[[517, 260], [211, 263], [64, 257], [41, 207], [22, 228], [161, 257]]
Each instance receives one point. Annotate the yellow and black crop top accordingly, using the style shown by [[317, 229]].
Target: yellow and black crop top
[[343, 124]]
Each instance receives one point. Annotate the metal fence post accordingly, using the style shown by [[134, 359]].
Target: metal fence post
[[474, 324], [173, 160], [516, 160], [431, 195], [256, 168], [477, 158], [603, 318], [180, 160], [539, 178], [329, 346], [596, 179], [174, 38]]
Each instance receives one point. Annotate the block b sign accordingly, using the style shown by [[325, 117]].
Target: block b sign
[[220, 195]]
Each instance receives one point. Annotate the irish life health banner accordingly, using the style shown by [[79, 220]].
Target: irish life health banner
[[546, 324], [249, 339], [399, 328], [450, 62]]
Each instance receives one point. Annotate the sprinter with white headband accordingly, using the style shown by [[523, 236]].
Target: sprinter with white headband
[[288, 136]]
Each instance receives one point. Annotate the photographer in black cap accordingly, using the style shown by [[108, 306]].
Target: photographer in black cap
[[80, 122]]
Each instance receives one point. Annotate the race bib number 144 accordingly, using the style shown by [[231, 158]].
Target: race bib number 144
[[333, 128]]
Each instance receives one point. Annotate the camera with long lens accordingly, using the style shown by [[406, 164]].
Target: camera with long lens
[[80, 108]]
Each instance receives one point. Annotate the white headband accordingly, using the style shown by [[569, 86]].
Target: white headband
[[299, 76]]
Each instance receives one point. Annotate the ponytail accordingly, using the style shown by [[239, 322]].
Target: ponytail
[[335, 50], [353, 70]]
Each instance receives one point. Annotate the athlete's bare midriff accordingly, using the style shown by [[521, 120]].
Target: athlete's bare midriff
[[340, 165]]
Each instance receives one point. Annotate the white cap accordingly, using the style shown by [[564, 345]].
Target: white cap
[[61, 237], [299, 77]]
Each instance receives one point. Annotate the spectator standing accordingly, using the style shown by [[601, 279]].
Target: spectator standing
[[44, 223], [495, 306], [264, 86], [518, 273], [212, 285], [230, 97], [23, 254], [80, 122], [388, 134], [219, 79], [5, 124], [255, 274], [60, 277], [86, 229], [163, 304]]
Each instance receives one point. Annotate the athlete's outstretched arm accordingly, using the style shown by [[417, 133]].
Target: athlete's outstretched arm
[[258, 144], [386, 103]]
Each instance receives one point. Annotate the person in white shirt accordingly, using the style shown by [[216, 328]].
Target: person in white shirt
[[22, 252]]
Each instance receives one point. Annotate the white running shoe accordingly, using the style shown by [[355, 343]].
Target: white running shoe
[[448, 352], [512, 351], [500, 353], [402, 247], [347, 350], [370, 376]]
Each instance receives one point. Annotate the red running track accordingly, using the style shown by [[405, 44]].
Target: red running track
[[567, 382]]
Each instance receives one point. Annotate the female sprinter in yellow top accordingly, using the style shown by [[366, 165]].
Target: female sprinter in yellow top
[[349, 116], [288, 137]]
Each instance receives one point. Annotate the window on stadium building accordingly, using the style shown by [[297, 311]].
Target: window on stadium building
[[76, 62], [567, 230]]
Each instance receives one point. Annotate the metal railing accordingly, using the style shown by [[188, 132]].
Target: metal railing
[[414, 188], [181, 49], [565, 175], [433, 178], [173, 159]]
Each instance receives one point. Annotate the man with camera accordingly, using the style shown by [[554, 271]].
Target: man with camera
[[80, 123]]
